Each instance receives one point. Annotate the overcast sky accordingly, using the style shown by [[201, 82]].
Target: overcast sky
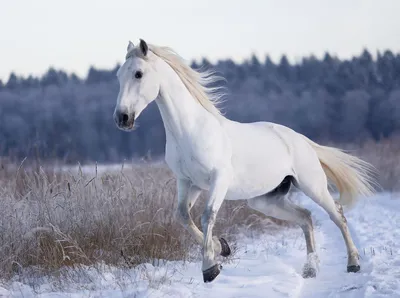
[[73, 35]]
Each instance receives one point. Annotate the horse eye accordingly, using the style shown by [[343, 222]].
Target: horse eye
[[138, 74]]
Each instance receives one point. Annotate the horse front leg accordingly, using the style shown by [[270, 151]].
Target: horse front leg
[[187, 196], [218, 190]]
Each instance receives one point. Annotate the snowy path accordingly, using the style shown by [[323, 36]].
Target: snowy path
[[268, 265]]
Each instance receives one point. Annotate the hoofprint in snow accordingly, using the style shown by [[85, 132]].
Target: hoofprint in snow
[[265, 265]]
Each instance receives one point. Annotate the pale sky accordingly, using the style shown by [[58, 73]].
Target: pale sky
[[73, 35]]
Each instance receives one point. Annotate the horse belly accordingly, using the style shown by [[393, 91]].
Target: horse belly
[[256, 181], [260, 161]]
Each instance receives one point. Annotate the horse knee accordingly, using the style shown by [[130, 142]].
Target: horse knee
[[182, 214]]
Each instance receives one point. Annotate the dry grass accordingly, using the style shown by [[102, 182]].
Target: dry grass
[[50, 219], [384, 156]]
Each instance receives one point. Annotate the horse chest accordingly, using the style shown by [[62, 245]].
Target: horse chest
[[188, 162]]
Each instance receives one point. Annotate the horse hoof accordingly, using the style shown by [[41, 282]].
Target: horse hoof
[[353, 268], [211, 273], [309, 272], [225, 249]]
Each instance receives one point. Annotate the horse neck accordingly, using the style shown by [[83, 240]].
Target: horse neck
[[180, 112]]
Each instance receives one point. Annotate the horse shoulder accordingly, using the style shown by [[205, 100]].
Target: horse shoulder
[[199, 152]]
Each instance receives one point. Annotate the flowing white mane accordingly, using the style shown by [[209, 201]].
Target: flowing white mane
[[196, 81]]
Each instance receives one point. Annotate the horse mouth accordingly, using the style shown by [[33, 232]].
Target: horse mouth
[[129, 126]]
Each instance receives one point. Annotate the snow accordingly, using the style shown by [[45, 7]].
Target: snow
[[265, 265]]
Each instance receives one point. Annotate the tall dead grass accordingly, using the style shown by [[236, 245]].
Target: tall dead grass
[[384, 156], [50, 219]]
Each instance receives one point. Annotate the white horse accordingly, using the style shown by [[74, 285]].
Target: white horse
[[257, 161]]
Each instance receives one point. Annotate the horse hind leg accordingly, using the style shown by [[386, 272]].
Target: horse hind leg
[[275, 204], [317, 189], [353, 261]]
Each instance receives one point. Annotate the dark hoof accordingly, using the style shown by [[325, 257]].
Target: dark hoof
[[225, 249], [211, 273], [353, 268], [309, 272]]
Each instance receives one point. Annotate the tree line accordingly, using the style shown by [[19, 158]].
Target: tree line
[[63, 116]]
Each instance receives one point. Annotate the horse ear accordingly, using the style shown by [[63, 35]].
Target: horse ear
[[130, 46], [143, 47]]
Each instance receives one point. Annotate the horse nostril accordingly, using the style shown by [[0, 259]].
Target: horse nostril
[[125, 118]]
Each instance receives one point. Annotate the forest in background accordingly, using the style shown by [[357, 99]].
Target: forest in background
[[61, 116]]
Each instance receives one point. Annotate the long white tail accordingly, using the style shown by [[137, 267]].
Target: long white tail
[[352, 176]]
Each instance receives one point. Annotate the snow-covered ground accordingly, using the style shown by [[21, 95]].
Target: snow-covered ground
[[266, 265]]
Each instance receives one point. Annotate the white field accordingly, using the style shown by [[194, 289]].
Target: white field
[[266, 265]]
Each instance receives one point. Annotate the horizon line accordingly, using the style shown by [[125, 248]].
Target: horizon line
[[296, 60]]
